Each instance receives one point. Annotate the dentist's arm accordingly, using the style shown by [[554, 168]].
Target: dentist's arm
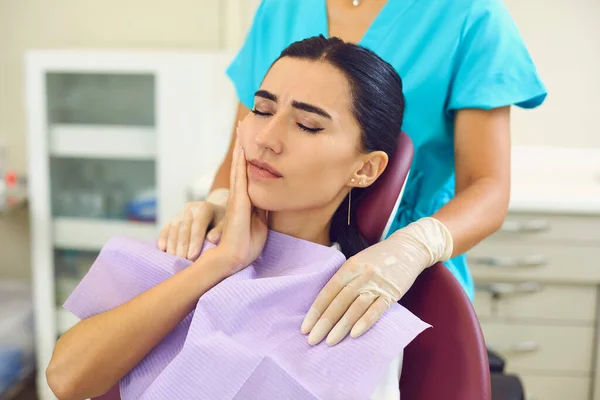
[[92, 356]]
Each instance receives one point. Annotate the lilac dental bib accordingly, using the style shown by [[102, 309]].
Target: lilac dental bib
[[243, 340]]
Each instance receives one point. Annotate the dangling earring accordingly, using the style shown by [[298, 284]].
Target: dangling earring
[[349, 204]]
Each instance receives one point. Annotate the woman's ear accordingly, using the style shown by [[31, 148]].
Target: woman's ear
[[374, 164]]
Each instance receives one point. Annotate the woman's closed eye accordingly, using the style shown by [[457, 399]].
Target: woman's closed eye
[[301, 126], [261, 113], [308, 129]]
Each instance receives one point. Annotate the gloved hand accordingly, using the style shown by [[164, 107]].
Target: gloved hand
[[372, 280], [183, 236]]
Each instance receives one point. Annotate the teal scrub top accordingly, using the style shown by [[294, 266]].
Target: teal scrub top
[[450, 54]]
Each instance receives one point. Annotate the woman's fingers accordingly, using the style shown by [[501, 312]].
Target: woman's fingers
[[351, 317], [215, 233], [377, 309], [233, 172], [241, 180]]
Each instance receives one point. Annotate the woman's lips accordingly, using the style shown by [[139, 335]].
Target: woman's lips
[[262, 170]]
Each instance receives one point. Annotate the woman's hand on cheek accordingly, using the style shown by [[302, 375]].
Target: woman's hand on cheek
[[245, 227]]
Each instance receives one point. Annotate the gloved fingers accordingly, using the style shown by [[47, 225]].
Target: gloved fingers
[[323, 300], [173, 233], [214, 235], [183, 235], [356, 310], [163, 237], [334, 312], [202, 215], [377, 309]]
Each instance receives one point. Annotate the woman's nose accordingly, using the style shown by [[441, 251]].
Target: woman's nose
[[271, 135]]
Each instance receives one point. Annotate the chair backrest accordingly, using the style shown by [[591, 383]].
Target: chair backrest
[[450, 360]]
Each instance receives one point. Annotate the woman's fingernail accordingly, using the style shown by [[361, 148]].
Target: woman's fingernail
[[162, 244]]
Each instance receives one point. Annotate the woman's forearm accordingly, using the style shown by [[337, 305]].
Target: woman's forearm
[[91, 357]]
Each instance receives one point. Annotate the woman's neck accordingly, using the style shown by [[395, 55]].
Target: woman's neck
[[310, 225]]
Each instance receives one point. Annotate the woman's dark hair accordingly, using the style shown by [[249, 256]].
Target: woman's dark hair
[[377, 105]]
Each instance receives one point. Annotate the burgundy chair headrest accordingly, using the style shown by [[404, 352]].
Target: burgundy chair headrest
[[378, 207]]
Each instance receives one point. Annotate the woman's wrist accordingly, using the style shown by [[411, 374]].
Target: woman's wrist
[[220, 264]]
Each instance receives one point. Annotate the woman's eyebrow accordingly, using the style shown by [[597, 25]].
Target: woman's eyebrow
[[265, 94], [310, 108]]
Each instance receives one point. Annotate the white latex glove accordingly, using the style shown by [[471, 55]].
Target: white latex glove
[[371, 281], [184, 235]]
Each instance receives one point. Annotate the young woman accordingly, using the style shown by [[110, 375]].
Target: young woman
[[325, 122]]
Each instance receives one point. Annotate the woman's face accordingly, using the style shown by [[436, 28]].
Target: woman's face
[[302, 141]]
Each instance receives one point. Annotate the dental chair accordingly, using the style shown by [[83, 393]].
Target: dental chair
[[448, 361]]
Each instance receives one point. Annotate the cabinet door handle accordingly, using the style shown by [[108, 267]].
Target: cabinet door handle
[[501, 288], [527, 346], [534, 225], [510, 262]]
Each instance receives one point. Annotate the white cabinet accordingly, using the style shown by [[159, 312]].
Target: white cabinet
[[537, 291], [115, 138], [538, 278]]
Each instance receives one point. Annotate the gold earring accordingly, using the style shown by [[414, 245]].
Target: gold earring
[[352, 180], [361, 183], [349, 204]]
